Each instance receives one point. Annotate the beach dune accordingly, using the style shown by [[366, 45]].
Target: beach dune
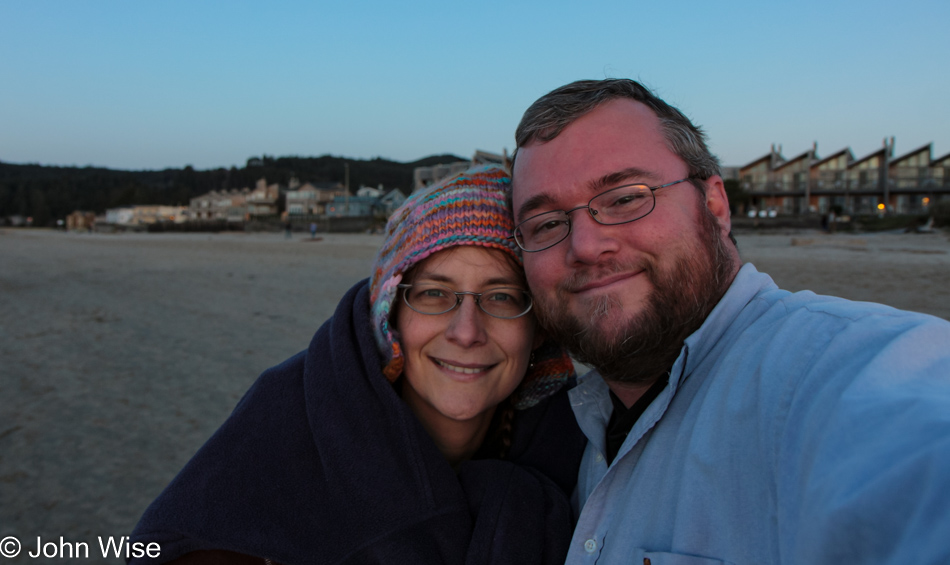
[[121, 354]]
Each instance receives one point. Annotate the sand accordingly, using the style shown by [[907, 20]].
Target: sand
[[121, 354]]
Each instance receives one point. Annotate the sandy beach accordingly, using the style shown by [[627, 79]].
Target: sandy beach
[[121, 354]]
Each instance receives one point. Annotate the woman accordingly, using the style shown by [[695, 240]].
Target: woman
[[416, 428]]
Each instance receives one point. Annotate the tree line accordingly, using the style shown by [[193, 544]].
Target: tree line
[[48, 193]]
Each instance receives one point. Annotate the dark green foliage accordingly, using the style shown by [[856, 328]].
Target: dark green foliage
[[51, 193]]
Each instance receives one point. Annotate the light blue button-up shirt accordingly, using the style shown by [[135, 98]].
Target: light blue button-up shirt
[[796, 428]]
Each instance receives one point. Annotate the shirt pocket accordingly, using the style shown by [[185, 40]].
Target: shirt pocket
[[664, 558]]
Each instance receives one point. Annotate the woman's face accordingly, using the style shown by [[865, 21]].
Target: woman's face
[[461, 364]]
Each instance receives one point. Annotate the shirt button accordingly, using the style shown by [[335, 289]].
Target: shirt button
[[600, 457], [590, 546]]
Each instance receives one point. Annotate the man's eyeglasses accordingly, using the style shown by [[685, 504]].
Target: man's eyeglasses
[[434, 299], [619, 205]]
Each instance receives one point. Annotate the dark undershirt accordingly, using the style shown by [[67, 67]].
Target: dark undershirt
[[623, 418]]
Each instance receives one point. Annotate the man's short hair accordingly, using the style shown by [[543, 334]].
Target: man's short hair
[[549, 115]]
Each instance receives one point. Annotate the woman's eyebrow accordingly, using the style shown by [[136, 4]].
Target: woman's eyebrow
[[449, 281]]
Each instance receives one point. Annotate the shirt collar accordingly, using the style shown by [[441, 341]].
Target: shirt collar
[[590, 399], [748, 284]]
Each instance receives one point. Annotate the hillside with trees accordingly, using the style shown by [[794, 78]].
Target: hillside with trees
[[50, 193]]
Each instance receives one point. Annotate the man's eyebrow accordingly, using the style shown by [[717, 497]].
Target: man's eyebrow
[[532, 204], [612, 180], [596, 186]]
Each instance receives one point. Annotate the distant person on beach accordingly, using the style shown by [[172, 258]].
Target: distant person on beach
[[728, 421], [428, 421]]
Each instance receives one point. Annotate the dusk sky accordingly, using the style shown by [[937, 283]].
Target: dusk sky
[[150, 85]]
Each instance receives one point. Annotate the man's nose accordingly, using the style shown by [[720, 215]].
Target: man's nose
[[467, 326], [589, 240]]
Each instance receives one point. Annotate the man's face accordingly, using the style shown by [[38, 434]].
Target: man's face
[[636, 290]]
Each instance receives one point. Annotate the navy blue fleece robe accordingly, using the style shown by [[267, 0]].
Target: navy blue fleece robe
[[321, 462]]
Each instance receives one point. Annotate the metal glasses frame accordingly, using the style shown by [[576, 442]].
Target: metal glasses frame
[[476, 295], [517, 235]]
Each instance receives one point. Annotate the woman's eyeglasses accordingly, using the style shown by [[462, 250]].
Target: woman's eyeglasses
[[434, 299]]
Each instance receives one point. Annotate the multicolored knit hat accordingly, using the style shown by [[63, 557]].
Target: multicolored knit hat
[[467, 209]]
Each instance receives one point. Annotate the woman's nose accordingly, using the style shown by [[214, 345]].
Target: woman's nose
[[467, 326]]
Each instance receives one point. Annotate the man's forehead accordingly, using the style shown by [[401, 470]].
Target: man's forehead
[[546, 196], [619, 137]]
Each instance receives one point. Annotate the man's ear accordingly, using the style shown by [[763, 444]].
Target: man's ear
[[717, 202]]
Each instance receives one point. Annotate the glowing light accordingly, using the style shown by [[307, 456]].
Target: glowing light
[[880, 206]]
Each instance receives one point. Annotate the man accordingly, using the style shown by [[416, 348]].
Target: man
[[728, 421]]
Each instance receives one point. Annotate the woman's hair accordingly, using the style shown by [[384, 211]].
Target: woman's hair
[[467, 209]]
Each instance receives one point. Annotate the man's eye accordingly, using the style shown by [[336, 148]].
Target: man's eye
[[626, 200], [548, 226]]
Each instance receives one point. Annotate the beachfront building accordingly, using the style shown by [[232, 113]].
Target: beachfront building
[[875, 183], [352, 206], [790, 194], [907, 174], [368, 201], [756, 179], [145, 214], [390, 201], [424, 176], [827, 179], [81, 220], [264, 201], [226, 205], [311, 199], [940, 171]]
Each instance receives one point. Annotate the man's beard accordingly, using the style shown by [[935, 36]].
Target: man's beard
[[644, 347]]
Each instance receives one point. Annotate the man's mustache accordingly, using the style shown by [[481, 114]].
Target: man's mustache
[[580, 278]]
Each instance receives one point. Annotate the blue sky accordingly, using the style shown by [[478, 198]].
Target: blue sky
[[149, 85]]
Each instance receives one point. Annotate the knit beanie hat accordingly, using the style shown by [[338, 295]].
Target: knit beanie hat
[[467, 209]]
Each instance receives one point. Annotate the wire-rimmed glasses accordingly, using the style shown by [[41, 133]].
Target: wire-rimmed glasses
[[433, 299], [620, 205]]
